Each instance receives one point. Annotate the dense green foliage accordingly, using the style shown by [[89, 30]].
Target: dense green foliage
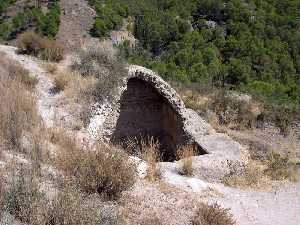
[[109, 16], [31, 17], [4, 4], [249, 45]]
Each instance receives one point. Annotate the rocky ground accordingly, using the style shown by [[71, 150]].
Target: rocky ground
[[76, 22]]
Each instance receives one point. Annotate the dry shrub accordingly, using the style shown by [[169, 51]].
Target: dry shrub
[[150, 151], [18, 107], [212, 215], [278, 166], [20, 74], [151, 221], [62, 80], [1, 192], [51, 50], [32, 43], [104, 63], [100, 169], [231, 109], [26, 203], [185, 154], [22, 197], [249, 175], [69, 207], [50, 67]]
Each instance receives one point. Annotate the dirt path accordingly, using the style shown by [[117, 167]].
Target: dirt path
[[77, 18], [54, 108]]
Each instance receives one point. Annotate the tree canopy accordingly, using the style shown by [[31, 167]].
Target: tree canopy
[[251, 45]]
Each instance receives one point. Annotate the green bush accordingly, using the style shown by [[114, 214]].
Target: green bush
[[220, 43], [46, 24], [49, 24], [5, 30]]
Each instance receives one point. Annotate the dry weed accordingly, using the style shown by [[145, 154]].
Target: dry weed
[[62, 80], [100, 169], [22, 196], [104, 64], [69, 207], [250, 175], [33, 44], [185, 155], [18, 106], [1, 192], [278, 167], [212, 215], [50, 67], [18, 73], [150, 151]]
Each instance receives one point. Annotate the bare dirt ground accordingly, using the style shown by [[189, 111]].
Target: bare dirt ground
[[174, 198], [76, 21]]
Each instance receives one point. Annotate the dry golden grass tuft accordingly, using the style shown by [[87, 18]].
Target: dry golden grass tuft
[[151, 221], [18, 105], [150, 152], [18, 73], [24, 200], [258, 173], [105, 64], [1, 192], [50, 67], [32, 43], [69, 207], [281, 167], [22, 196], [250, 175], [62, 80], [185, 155], [212, 215], [101, 169]]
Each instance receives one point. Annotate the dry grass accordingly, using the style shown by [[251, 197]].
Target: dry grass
[[22, 196], [18, 105], [151, 221], [222, 107], [212, 215], [50, 67], [104, 64], [279, 167], [24, 200], [257, 173], [185, 154], [150, 153], [1, 192], [69, 208], [243, 176], [100, 169], [62, 80], [33, 44], [18, 73]]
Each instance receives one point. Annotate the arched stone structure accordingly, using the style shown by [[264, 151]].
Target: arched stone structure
[[146, 105], [149, 107], [145, 113]]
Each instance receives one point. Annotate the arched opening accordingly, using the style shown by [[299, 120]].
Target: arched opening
[[145, 113]]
